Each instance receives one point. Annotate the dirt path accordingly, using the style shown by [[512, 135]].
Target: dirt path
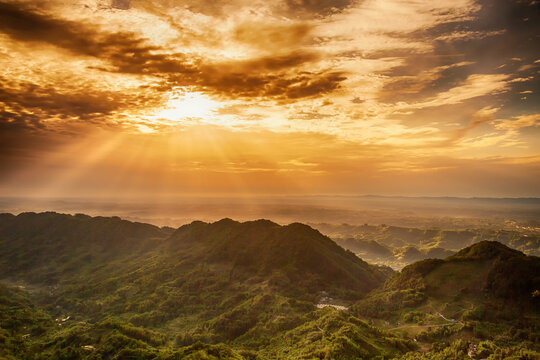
[[449, 322], [418, 326], [337, 307]]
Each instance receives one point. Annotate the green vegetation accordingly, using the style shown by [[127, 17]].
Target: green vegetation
[[80, 287], [400, 246], [484, 294]]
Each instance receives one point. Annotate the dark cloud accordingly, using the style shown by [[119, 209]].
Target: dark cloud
[[121, 4], [314, 85], [502, 37], [265, 76], [317, 7], [28, 105], [281, 86], [505, 30], [268, 36], [270, 63], [126, 52], [33, 98], [35, 108]]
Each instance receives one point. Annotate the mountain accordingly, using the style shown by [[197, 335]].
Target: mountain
[[409, 254], [487, 269], [486, 283], [482, 301], [297, 253], [47, 246], [365, 247], [44, 248], [178, 294]]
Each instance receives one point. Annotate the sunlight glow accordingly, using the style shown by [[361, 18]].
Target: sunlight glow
[[185, 105]]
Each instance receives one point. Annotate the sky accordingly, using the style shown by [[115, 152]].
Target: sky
[[133, 98]]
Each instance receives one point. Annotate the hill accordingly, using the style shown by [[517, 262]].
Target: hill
[[42, 247], [487, 269], [397, 247], [293, 254], [482, 293], [148, 292]]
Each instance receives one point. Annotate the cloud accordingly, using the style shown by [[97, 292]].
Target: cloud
[[127, 53], [319, 7], [384, 82], [421, 80], [519, 122], [474, 86], [121, 4], [273, 36], [124, 51], [31, 101], [482, 116]]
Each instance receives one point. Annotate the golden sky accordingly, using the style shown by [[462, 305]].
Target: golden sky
[[174, 97]]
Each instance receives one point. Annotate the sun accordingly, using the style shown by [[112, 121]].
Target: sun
[[184, 105]]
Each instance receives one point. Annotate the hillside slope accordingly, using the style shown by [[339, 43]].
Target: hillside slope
[[483, 293], [156, 293], [293, 254], [485, 270]]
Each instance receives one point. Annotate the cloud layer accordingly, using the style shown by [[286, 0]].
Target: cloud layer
[[385, 87]]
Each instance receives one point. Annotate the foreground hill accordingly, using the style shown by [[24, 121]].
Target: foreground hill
[[119, 289], [294, 254], [484, 292], [46, 247], [486, 270]]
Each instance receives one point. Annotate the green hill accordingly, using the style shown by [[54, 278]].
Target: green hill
[[487, 269], [398, 247], [482, 293], [127, 290], [293, 254], [42, 248]]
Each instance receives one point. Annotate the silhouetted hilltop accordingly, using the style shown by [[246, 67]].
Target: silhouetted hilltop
[[48, 246], [296, 252], [78, 229], [486, 250]]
